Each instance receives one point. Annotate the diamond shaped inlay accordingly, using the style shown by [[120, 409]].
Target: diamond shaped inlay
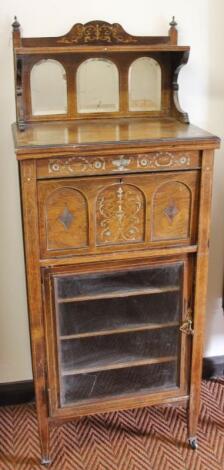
[[66, 218], [171, 211]]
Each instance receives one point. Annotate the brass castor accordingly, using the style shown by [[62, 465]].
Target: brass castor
[[193, 443], [45, 462]]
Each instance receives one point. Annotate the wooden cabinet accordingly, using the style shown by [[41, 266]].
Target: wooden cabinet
[[116, 196]]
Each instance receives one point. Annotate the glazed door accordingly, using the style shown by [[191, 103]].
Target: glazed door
[[114, 336]]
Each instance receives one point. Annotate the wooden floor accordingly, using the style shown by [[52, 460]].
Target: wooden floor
[[151, 438]]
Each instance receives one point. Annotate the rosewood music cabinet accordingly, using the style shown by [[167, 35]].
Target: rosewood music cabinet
[[116, 196]]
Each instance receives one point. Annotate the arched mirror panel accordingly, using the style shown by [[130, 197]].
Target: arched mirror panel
[[97, 86], [145, 85], [48, 88]]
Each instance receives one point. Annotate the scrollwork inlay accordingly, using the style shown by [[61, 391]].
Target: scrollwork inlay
[[120, 163], [162, 160], [76, 165], [120, 214], [97, 32]]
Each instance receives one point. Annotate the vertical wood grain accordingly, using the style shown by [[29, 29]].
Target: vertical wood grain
[[201, 276], [30, 221]]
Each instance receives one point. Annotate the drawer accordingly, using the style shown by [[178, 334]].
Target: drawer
[[111, 164], [104, 214]]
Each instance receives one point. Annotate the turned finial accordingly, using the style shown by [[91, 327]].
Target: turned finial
[[173, 22], [15, 24], [173, 31]]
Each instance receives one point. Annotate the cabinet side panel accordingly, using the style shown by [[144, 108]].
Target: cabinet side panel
[[30, 224], [201, 276]]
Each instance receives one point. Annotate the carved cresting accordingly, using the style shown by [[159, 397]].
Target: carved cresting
[[95, 32], [120, 211]]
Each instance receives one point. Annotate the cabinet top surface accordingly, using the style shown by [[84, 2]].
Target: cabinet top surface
[[109, 133]]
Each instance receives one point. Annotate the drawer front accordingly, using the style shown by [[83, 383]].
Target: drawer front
[[80, 216], [112, 164]]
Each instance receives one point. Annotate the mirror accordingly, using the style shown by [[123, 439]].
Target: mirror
[[97, 86], [145, 85], [48, 88]]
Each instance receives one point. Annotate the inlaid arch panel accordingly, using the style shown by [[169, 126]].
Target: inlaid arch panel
[[66, 219], [171, 211], [120, 215]]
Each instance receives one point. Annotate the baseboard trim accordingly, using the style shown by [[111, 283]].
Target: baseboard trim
[[213, 367], [15, 393]]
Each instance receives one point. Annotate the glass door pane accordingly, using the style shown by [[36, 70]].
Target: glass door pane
[[118, 332]]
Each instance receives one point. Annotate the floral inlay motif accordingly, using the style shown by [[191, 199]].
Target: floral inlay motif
[[94, 32], [76, 165], [162, 160], [121, 163], [117, 163], [120, 215]]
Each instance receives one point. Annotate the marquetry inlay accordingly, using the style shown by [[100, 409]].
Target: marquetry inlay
[[99, 31], [76, 164], [171, 211], [163, 159], [120, 215], [153, 161], [66, 218]]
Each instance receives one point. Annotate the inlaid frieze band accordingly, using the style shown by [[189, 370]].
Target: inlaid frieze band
[[111, 164]]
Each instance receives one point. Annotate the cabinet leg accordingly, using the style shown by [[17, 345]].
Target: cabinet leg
[[193, 416], [44, 434]]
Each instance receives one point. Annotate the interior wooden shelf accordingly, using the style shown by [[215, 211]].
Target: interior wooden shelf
[[128, 329], [120, 293], [89, 388], [120, 365]]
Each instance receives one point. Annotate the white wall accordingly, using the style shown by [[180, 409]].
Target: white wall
[[200, 24]]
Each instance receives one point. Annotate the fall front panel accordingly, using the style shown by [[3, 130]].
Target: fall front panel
[[79, 216]]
